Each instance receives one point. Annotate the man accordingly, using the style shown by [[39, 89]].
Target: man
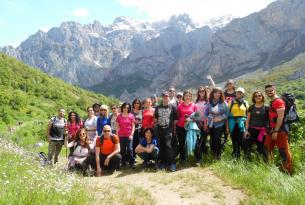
[[107, 151], [172, 96], [165, 115], [277, 136], [55, 135]]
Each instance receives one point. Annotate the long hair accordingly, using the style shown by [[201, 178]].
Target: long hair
[[125, 104], [137, 100], [185, 93], [86, 138], [215, 90], [205, 97], [77, 119]]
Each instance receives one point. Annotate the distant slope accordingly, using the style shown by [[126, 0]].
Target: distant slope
[[28, 94], [288, 77]]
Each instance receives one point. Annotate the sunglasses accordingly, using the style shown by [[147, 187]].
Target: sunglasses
[[106, 130], [137, 103], [171, 91]]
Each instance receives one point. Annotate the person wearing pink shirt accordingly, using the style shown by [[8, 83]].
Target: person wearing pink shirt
[[184, 110], [125, 130], [73, 125]]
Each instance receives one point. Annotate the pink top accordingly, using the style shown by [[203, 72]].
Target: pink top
[[125, 124], [183, 110], [148, 118], [201, 107], [73, 128]]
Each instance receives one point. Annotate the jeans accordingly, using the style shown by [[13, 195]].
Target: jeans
[[181, 134], [165, 137], [237, 141], [216, 139], [126, 150]]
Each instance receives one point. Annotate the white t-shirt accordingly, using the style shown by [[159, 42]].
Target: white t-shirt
[[90, 124]]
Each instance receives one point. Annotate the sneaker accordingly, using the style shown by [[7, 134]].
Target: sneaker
[[172, 168]]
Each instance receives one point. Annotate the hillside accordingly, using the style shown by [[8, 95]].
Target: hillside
[[288, 77], [29, 95]]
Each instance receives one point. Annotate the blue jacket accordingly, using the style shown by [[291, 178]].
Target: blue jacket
[[101, 122], [223, 112]]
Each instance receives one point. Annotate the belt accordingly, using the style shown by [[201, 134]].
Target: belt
[[166, 126]]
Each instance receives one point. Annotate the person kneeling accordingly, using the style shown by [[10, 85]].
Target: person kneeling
[[107, 151], [79, 159], [147, 149]]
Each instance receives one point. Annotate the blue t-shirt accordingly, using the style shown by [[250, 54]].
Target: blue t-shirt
[[101, 122], [144, 142]]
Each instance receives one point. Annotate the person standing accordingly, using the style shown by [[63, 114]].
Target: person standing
[[137, 113], [165, 114], [55, 135], [277, 136], [148, 115], [90, 125], [73, 125], [237, 119], [113, 116], [172, 95], [102, 120], [184, 110], [96, 109], [125, 130], [256, 124], [229, 92], [217, 115]]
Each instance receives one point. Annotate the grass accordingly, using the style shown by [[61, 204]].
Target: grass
[[24, 181]]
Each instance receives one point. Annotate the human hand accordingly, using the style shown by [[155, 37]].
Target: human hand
[[98, 172], [106, 163]]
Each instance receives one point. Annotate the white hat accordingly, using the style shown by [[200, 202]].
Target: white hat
[[240, 89]]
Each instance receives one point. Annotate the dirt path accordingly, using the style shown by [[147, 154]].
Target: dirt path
[[187, 186]]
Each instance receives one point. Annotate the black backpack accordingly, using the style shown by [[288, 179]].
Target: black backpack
[[291, 114], [57, 131]]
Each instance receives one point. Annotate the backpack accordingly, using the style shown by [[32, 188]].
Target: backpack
[[43, 159], [56, 131], [290, 115], [111, 137]]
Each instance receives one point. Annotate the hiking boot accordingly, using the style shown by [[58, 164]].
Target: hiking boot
[[161, 166], [145, 164], [172, 168]]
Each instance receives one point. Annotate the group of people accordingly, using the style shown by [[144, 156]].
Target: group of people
[[174, 126]]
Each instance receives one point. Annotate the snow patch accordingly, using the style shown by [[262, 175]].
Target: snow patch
[[95, 35]]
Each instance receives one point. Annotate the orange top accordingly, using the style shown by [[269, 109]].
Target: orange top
[[107, 147]]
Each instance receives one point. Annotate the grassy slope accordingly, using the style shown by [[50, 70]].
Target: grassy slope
[[30, 96]]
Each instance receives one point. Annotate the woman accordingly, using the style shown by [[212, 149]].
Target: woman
[[216, 114], [125, 130], [90, 126], [113, 116], [148, 115], [102, 120], [201, 103], [147, 149], [184, 110], [81, 150], [137, 113], [256, 123], [229, 92], [73, 125], [237, 118], [179, 97]]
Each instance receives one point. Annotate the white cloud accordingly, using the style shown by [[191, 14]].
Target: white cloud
[[80, 12], [199, 10]]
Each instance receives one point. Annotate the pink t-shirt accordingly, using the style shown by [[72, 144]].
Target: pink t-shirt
[[183, 110], [125, 124], [73, 128], [201, 107], [148, 118]]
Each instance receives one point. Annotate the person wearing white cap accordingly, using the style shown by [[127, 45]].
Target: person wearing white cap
[[237, 118]]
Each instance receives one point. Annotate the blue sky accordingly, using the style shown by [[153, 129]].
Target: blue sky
[[21, 18]]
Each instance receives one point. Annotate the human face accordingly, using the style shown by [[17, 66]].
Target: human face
[[126, 108], [172, 92], [106, 131], [270, 92], [202, 93], [165, 99], [258, 97], [148, 103], [90, 111], [217, 95], [136, 105], [239, 95], [103, 112], [82, 136], [114, 110], [96, 108], [61, 113], [230, 85], [187, 97], [148, 135]]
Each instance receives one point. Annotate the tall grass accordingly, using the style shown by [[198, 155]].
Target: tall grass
[[24, 181]]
